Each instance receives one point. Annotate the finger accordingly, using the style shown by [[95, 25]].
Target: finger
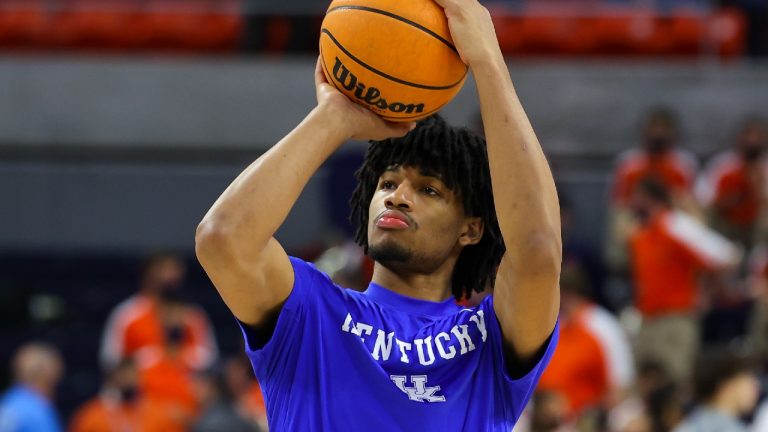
[[319, 74]]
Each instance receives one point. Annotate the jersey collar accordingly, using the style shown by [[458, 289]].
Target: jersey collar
[[411, 305]]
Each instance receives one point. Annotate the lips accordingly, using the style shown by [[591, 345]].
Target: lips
[[392, 219]]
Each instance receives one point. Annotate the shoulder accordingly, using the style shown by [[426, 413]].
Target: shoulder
[[685, 159], [721, 164], [629, 160], [131, 308]]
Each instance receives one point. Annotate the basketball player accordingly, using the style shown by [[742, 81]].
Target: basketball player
[[401, 356]]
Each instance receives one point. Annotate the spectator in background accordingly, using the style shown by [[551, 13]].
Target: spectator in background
[[245, 389], [219, 409], [592, 365], [658, 158], [758, 282], [165, 373], [137, 323], [733, 187], [726, 388], [668, 249], [28, 405], [120, 406]]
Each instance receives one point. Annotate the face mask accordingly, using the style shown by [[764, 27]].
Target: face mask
[[657, 144], [752, 153], [174, 334], [129, 394]]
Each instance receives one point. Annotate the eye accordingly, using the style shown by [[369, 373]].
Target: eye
[[431, 191], [387, 184]]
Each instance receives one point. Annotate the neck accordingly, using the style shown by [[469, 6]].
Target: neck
[[434, 286], [41, 389]]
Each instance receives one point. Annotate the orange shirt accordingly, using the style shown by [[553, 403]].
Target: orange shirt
[[104, 414], [593, 356], [168, 380], [727, 187], [676, 169], [666, 255], [135, 324]]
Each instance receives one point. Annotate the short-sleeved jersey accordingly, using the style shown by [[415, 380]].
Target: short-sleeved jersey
[[666, 255], [341, 360], [593, 358], [726, 185], [675, 169]]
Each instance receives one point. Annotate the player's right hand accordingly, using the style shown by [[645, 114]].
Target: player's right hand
[[359, 122]]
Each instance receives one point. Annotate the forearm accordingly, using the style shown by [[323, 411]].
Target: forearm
[[524, 190], [527, 292], [257, 202]]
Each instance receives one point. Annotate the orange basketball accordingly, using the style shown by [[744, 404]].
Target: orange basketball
[[394, 57]]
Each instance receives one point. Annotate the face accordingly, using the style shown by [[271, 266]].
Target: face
[[416, 222], [745, 390], [752, 141], [659, 135], [165, 275]]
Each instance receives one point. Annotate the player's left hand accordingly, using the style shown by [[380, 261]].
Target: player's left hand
[[472, 31]]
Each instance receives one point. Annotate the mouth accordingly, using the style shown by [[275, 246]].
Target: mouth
[[392, 220]]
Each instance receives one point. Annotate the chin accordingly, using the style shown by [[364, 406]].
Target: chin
[[389, 251]]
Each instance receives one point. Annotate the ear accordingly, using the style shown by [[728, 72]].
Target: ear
[[472, 231]]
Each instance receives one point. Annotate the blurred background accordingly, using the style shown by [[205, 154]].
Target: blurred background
[[121, 121]]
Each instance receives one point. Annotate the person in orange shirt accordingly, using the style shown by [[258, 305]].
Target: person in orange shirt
[[138, 322], [592, 366], [669, 249], [120, 407], [733, 187], [245, 390], [165, 374], [658, 157]]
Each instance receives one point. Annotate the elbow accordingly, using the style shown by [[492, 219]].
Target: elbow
[[210, 238]]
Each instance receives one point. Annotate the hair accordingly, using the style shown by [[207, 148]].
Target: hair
[[152, 260], [750, 122], [662, 114], [715, 368], [459, 158]]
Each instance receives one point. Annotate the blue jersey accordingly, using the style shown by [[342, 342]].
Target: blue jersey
[[24, 410], [341, 360]]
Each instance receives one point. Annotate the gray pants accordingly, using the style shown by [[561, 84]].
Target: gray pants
[[673, 341]]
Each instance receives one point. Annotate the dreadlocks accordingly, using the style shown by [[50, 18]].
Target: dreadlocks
[[459, 158]]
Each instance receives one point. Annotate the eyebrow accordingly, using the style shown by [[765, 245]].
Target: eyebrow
[[422, 172]]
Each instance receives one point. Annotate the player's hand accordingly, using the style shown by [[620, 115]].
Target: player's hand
[[472, 31], [360, 123]]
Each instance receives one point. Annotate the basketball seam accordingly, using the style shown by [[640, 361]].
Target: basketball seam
[[325, 69], [385, 75], [399, 18]]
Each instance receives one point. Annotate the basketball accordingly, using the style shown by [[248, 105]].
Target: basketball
[[395, 58]]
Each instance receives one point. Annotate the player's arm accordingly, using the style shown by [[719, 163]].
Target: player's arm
[[527, 296], [234, 241]]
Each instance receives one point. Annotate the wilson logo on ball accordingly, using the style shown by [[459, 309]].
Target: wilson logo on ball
[[370, 95]]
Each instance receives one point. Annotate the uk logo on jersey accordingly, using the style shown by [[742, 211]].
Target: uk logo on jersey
[[418, 391]]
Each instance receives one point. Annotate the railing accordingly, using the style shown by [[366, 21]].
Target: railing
[[679, 28]]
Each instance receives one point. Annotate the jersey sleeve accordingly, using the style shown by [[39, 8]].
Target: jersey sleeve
[[703, 245], [281, 351], [517, 390]]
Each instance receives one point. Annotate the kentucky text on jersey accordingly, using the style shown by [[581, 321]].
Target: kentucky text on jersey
[[382, 347], [340, 360]]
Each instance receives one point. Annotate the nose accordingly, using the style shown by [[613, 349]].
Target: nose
[[400, 197]]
